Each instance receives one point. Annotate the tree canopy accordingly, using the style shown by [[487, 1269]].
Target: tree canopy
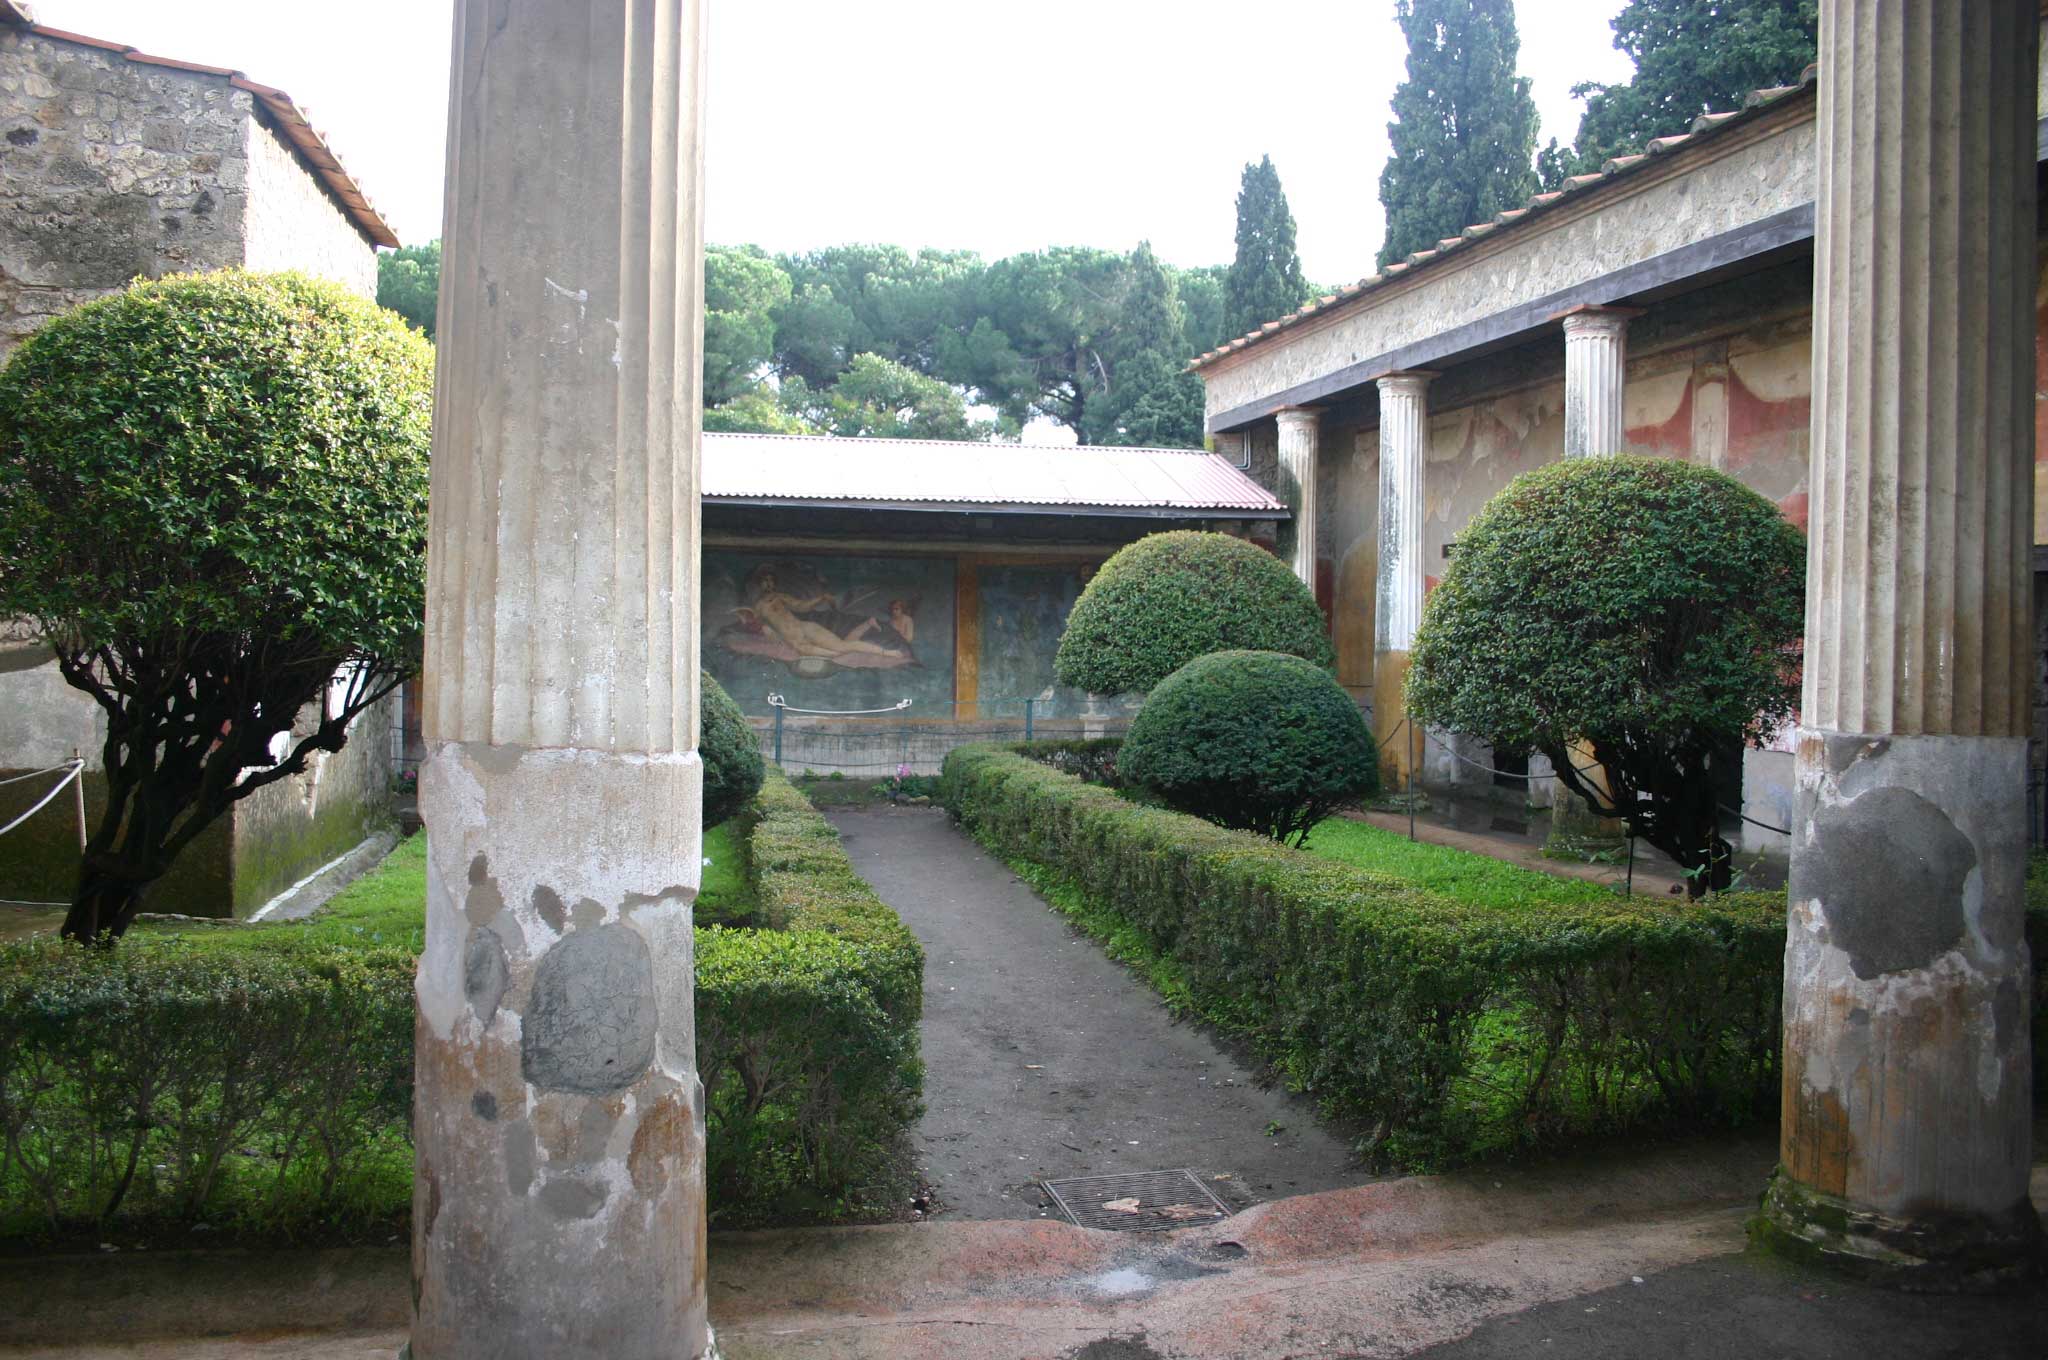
[[1691, 57], [213, 504], [1646, 607], [743, 287], [1264, 282], [1464, 129], [879, 398], [409, 283]]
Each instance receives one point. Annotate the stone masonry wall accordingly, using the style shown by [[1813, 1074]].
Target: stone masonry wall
[[294, 224], [110, 169]]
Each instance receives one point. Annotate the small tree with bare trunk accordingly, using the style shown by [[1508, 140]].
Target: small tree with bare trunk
[[213, 505]]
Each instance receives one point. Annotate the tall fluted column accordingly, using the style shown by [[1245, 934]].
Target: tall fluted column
[[1404, 454], [1905, 1137], [1299, 434], [1595, 373], [558, 1206]]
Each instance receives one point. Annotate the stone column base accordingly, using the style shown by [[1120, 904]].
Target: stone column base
[[1939, 1254]]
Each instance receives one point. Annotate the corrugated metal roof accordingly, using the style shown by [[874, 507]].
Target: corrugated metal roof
[[926, 473]]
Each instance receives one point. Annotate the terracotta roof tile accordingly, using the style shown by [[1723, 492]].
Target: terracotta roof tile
[[1617, 166], [289, 119]]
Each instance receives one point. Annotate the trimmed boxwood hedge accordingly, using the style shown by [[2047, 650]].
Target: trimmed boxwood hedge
[[1443, 1029], [266, 1092], [807, 1031], [252, 1091]]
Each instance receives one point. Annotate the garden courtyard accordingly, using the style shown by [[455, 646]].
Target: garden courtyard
[[1695, 503]]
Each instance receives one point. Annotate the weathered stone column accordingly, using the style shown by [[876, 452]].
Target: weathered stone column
[[558, 1207], [1595, 373], [1299, 434], [1404, 454], [1905, 1140]]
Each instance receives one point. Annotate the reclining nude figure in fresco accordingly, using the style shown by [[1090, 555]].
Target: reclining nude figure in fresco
[[773, 610]]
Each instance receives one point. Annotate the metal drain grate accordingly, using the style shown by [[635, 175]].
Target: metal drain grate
[[1141, 1201]]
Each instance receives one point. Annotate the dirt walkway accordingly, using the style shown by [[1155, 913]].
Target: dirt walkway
[[1045, 1059]]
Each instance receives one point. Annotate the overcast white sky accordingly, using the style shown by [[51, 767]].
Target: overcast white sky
[[995, 125]]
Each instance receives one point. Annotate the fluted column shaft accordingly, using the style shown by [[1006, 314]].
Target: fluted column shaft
[[558, 1206], [1300, 435], [1404, 456], [1595, 376], [1905, 1139]]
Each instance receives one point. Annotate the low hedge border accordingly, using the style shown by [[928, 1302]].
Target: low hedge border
[[807, 1036], [1443, 1030], [266, 1092], [173, 1088]]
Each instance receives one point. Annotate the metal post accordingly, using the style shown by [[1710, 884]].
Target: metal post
[[1631, 892], [1028, 705], [1411, 777], [78, 796], [778, 736]]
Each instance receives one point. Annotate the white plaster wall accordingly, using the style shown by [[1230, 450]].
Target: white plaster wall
[[293, 223], [44, 721]]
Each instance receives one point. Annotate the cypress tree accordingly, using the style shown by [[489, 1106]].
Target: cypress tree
[[1265, 280], [1152, 399], [1464, 129]]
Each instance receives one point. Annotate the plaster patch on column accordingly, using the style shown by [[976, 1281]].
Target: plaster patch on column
[[574, 1196], [484, 900], [521, 1153], [548, 904], [589, 1025], [1869, 856], [486, 972]]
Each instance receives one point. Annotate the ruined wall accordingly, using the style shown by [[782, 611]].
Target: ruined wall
[[294, 223], [110, 169], [286, 830]]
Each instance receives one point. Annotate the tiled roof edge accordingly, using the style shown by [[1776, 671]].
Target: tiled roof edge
[[1577, 185], [289, 119]]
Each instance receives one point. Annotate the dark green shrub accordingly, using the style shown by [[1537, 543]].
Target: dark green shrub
[[807, 1033], [1090, 759], [247, 1089], [1446, 1029], [1259, 741], [731, 753], [1645, 607], [213, 500], [1169, 598]]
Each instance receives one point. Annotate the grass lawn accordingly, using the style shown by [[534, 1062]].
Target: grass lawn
[[386, 908], [1458, 874]]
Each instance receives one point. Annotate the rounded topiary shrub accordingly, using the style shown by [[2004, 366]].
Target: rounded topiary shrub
[[1645, 608], [1260, 741], [213, 502], [1167, 599], [733, 768]]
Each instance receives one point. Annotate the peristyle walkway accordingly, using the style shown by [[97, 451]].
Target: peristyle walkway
[[1043, 1058]]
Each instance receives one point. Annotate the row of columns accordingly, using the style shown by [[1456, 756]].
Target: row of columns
[[1595, 364], [1905, 1143], [559, 1197]]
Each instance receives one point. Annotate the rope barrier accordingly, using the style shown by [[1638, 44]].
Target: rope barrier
[[777, 701], [38, 774], [71, 772]]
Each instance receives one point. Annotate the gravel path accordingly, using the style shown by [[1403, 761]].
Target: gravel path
[[1043, 1058]]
